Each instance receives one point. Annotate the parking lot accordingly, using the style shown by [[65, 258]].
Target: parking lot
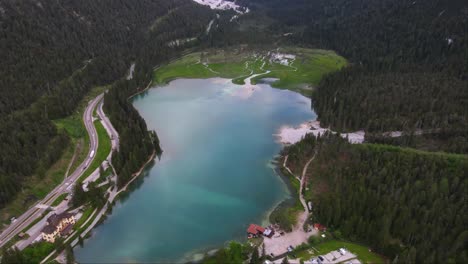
[[336, 257], [331, 257]]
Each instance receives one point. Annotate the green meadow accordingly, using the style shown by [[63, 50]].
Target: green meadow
[[363, 253], [300, 74]]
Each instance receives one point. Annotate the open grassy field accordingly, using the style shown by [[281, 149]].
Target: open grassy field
[[300, 71], [86, 213], [104, 148], [362, 252], [75, 128], [306, 71], [59, 199], [199, 65]]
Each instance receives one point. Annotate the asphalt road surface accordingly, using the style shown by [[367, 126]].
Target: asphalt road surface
[[66, 186]]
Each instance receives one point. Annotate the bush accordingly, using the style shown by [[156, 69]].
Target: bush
[[314, 240], [337, 234]]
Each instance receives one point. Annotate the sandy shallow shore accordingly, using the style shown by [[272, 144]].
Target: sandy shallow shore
[[292, 135]]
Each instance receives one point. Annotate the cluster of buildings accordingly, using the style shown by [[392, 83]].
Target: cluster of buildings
[[58, 225], [256, 231]]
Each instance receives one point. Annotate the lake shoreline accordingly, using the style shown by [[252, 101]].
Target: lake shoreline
[[194, 257], [197, 183], [288, 135], [285, 179]]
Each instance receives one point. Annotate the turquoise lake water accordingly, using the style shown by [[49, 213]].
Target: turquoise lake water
[[214, 178]]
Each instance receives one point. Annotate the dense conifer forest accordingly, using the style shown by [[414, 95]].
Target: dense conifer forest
[[409, 61], [54, 52], [408, 72], [407, 203]]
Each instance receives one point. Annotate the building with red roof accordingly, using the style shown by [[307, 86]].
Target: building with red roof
[[320, 227], [255, 230]]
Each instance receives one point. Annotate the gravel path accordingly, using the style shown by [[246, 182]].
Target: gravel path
[[277, 245]]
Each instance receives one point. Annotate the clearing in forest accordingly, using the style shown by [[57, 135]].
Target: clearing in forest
[[290, 68]]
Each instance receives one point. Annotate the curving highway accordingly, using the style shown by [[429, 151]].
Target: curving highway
[[37, 209], [114, 137], [108, 126]]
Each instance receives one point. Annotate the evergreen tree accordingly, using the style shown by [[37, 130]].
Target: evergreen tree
[[12, 255], [255, 259]]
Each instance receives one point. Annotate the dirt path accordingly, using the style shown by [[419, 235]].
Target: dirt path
[[208, 68], [304, 171], [277, 245], [301, 180], [302, 217]]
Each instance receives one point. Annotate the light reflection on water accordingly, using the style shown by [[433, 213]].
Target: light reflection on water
[[214, 177]]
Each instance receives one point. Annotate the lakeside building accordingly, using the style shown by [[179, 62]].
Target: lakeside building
[[58, 226], [255, 230], [268, 232]]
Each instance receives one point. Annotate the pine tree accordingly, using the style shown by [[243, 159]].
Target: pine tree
[[254, 259]]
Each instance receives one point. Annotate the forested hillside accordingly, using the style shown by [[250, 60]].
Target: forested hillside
[[53, 52], [409, 60], [136, 144], [410, 205], [408, 72]]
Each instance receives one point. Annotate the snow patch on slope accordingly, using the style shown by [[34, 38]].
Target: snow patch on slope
[[208, 28], [223, 5], [180, 42]]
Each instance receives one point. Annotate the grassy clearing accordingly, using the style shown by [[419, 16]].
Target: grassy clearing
[[192, 66], [59, 199], [362, 252], [37, 252], [104, 148], [306, 71], [323, 248], [301, 74], [75, 127], [87, 212]]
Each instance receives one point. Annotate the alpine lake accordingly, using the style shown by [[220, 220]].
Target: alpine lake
[[214, 178]]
